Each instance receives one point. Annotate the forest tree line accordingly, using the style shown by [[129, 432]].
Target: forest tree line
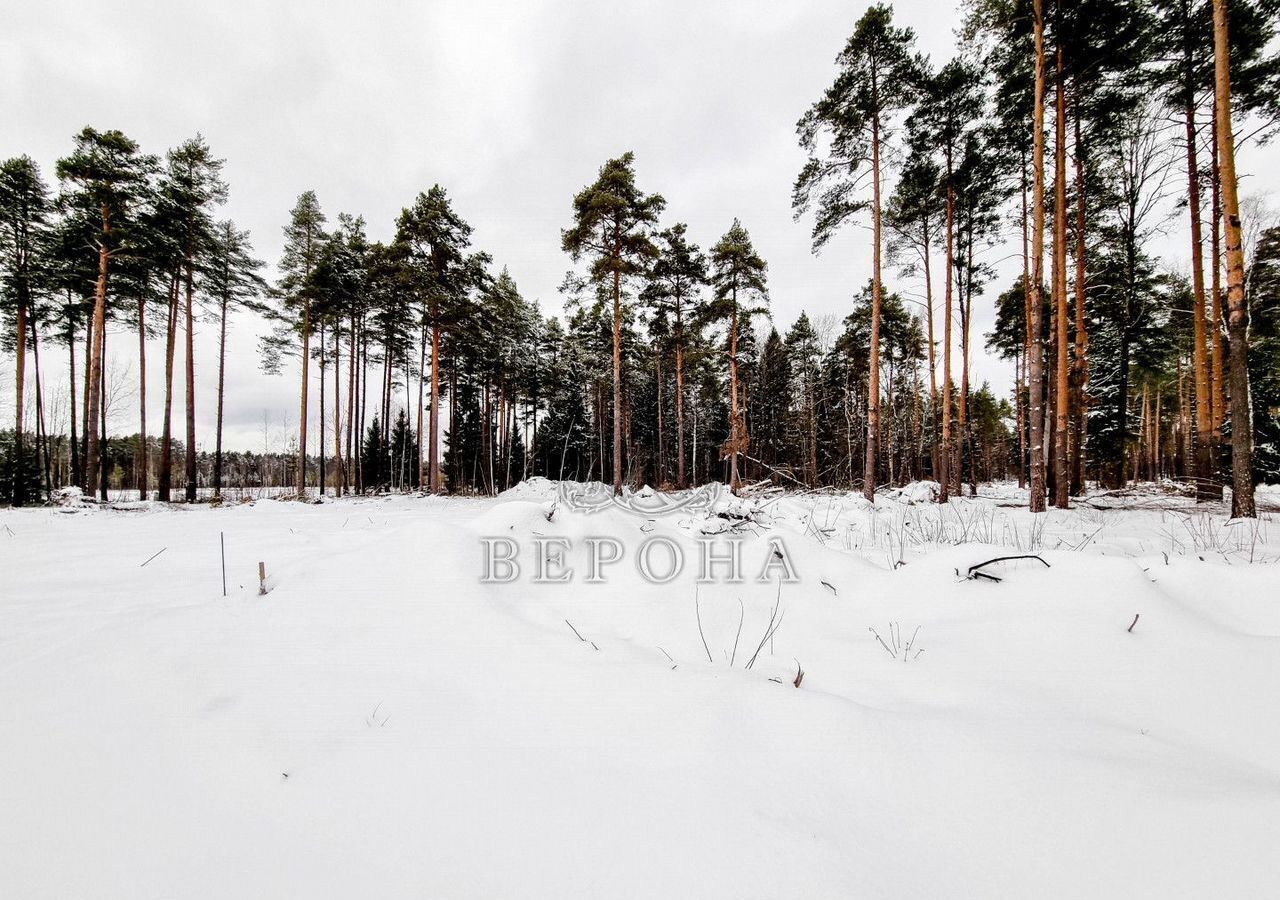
[[1079, 129]]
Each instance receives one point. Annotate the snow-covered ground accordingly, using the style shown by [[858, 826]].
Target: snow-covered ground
[[384, 724]]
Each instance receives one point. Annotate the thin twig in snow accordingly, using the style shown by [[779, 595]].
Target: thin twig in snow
[[580, 637], [697, 608], [775, 621], [742, 612]]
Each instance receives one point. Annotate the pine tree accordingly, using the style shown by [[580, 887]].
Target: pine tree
[[404, 454], [340, 280], [772, 411], [878, 76], [676, 279], [1035, 358], [441, 275], [804, 357], [304, 238], [25, 212], [1242, 502], [1263, 289], [193, 184], [375, 460], [107, 175], [231, 279], [950, 108], [739, 277], [613, 220], [913, 216]]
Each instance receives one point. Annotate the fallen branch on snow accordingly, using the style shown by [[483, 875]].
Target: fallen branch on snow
[[975, 570]]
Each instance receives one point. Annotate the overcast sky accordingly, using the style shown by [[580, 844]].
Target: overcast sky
[[511, 106]]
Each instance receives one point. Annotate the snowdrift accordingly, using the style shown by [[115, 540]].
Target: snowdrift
[[385, 723]]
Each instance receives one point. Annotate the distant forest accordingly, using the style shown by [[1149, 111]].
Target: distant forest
[[1084, 129]]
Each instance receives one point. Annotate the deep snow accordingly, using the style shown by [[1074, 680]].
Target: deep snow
[[382, 724]]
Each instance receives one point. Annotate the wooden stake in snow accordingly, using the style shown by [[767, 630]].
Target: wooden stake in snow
[[1134, 622], [262, 578]]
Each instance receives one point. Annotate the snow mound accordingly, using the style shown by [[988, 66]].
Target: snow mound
[[917, 492], [536, 488], [71, 498]]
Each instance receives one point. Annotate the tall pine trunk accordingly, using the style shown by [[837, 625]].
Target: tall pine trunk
[[933, 363], [657, 374], [102, 416], [191, 386], [164, 484], [142, 397], [617, 380], [20, 378], [944, 482], [1217, 350], [681, 482], [321, 474], [423, 466], [873, 378], [1080, 365], [735, 413], [347, 473], [1035, 361], [1062, 483], [77, 473], [1025, 355], [1204, 470], [222, 364], [339, 471], [93, 394], [301, 478], [434, 438], [42, 435], [1242, 501], [964, 437]]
